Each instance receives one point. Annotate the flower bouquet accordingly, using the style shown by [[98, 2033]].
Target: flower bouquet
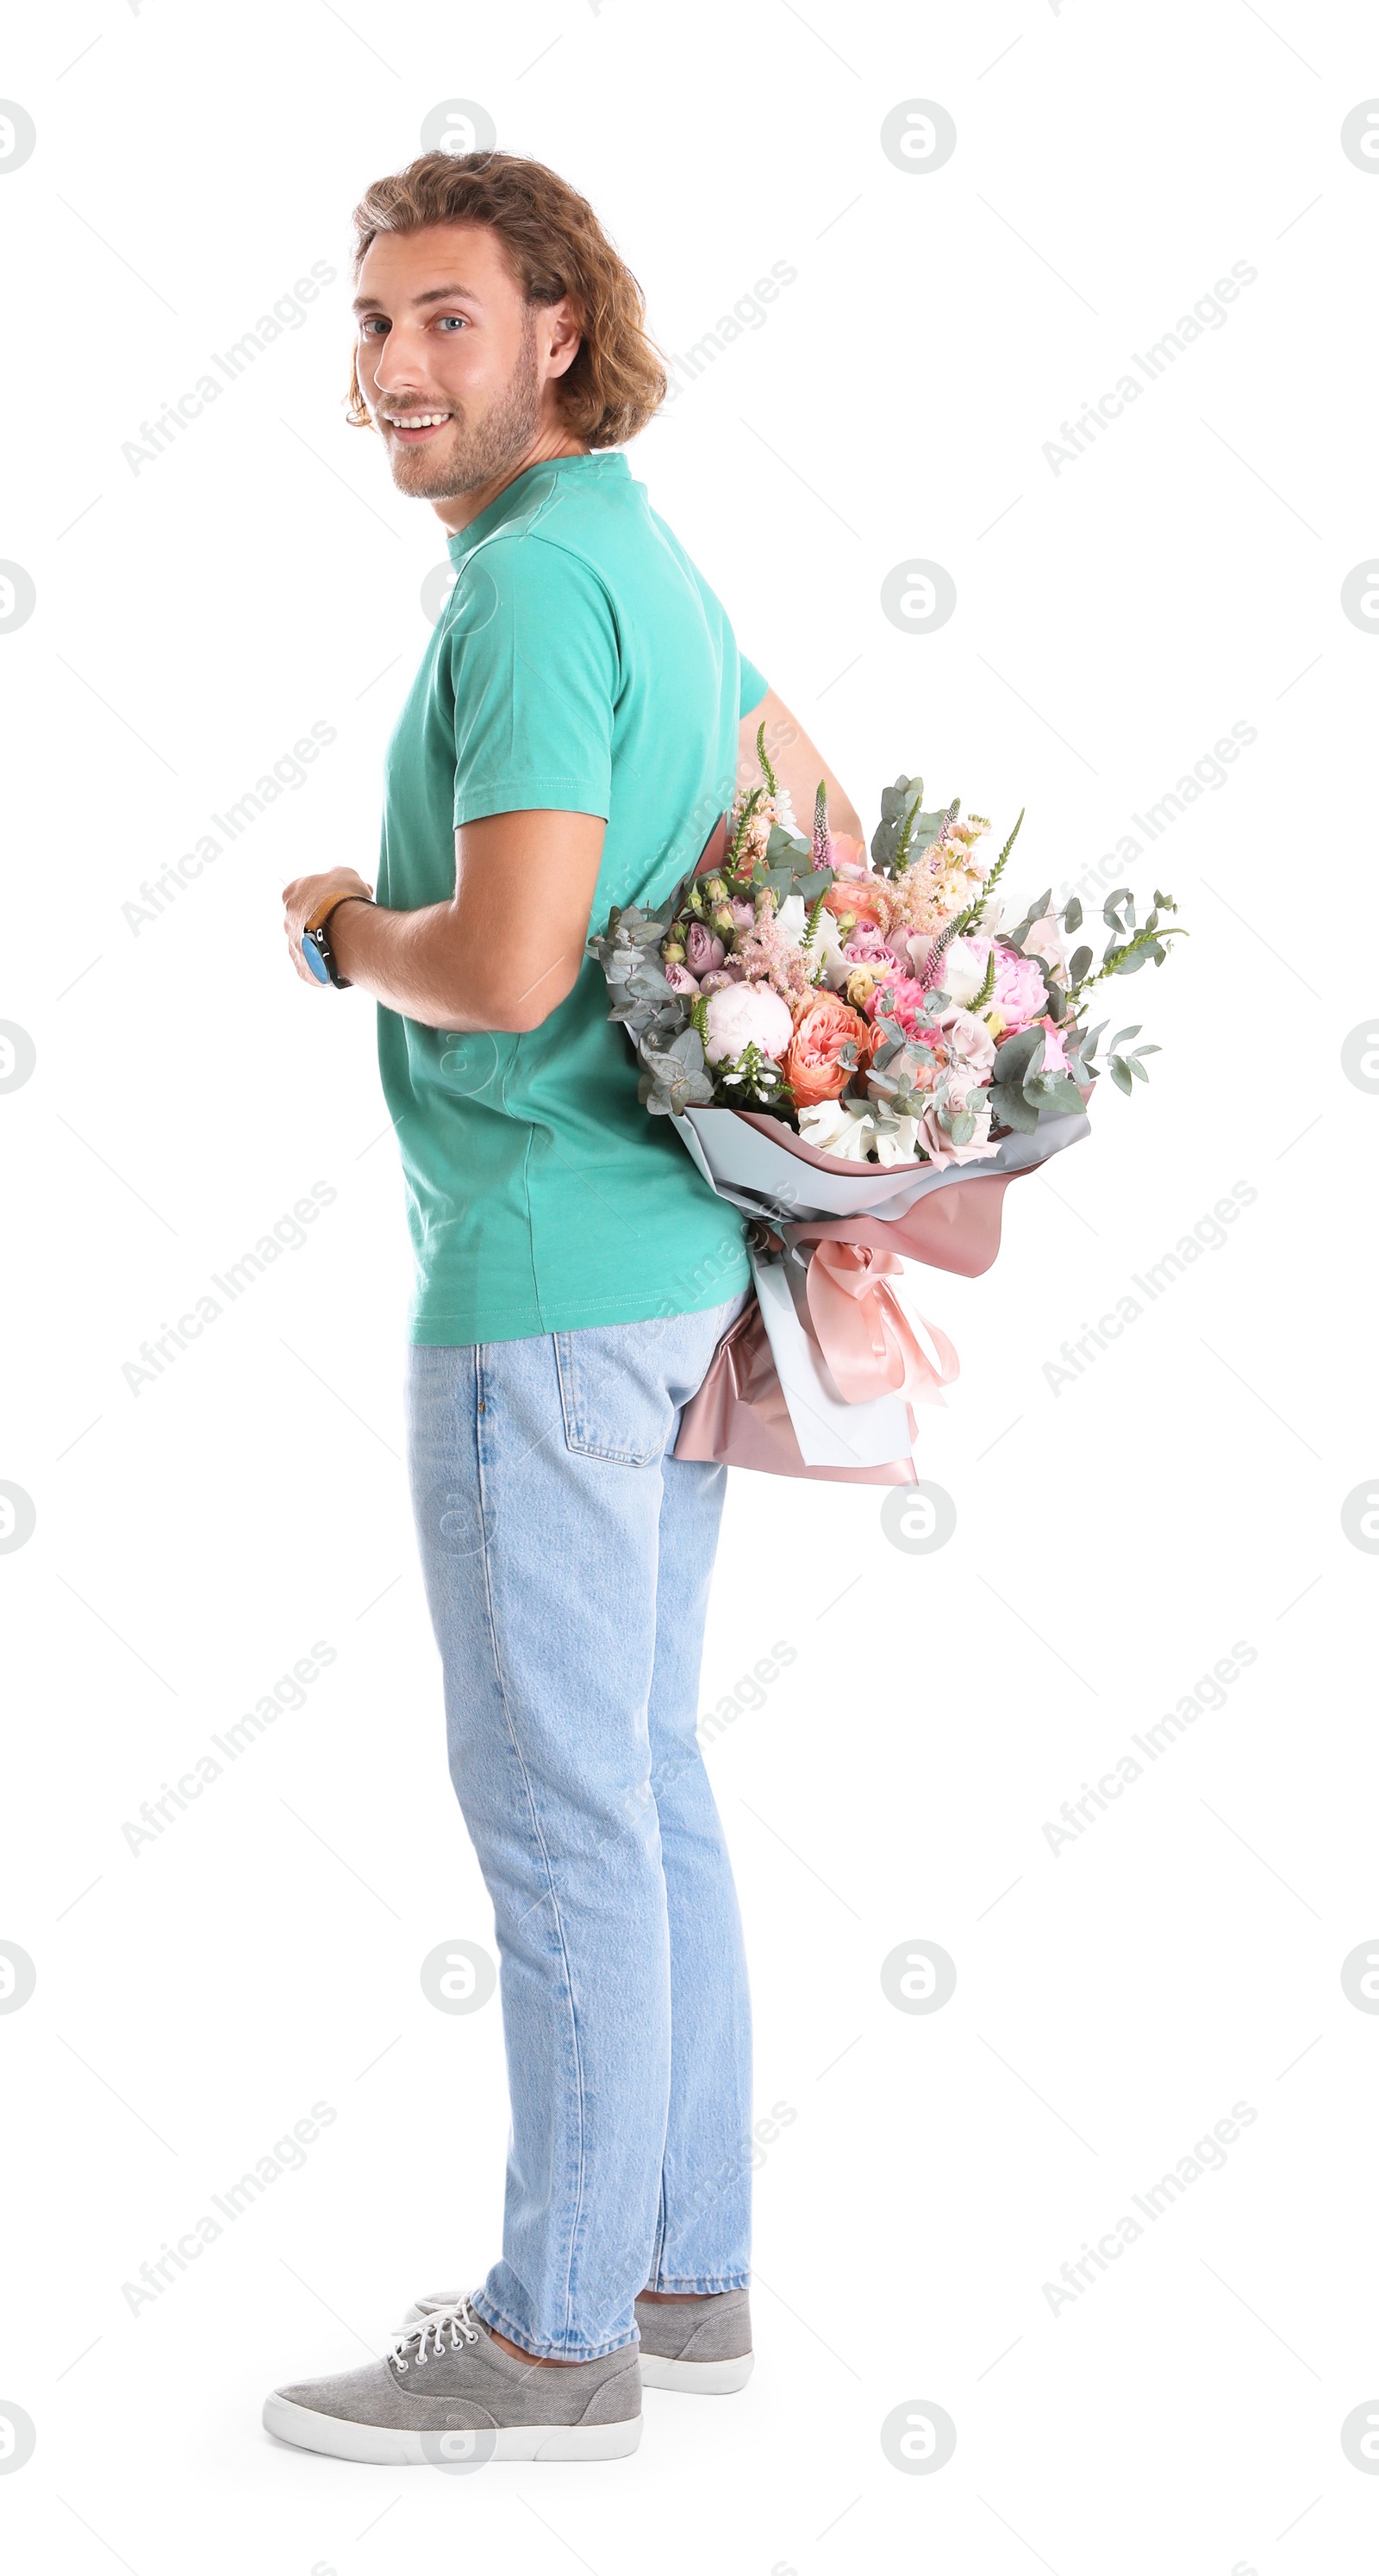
[[860, 1056]]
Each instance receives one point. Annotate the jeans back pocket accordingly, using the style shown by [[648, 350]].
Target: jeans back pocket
[[613, 1396]]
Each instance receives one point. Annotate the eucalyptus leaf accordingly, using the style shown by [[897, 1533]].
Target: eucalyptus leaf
[[1012, 1109]]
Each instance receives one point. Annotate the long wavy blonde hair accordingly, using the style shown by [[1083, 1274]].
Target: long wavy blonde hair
[[556, 246]]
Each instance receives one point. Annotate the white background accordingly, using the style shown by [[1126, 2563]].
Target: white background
[[1114, 1538]]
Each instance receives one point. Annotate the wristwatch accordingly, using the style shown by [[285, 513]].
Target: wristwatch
[[316, 947]]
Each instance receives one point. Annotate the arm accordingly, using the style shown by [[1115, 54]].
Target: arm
[[797, 764], [502, 954]]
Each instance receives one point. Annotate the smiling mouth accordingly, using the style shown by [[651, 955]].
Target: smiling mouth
[[412, 427]]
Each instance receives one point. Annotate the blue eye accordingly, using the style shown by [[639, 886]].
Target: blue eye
[[366, 329], [458, 319]]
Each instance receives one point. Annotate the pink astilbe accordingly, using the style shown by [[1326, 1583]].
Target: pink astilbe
[[765, 953]]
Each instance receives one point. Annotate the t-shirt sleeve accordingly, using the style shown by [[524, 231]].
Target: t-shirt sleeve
[[751, 686], [535, 663]]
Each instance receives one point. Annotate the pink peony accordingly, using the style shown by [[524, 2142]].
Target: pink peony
[[741, 1015], [1019, 993]]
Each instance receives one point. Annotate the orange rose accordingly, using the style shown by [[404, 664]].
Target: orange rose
[[823, 1026], [866, 896]]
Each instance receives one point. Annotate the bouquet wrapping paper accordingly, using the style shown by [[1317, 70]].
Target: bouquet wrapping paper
[[820, 1376]]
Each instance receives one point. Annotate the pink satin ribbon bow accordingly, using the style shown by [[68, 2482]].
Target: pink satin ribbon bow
[[863, 1332]]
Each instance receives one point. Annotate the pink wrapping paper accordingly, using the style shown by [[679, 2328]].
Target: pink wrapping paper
[[739, 1417]]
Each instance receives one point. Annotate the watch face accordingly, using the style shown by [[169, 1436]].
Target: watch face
[[314, 959]]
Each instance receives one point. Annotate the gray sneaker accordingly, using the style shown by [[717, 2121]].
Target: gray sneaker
[[445, 2393], [701, 2346]]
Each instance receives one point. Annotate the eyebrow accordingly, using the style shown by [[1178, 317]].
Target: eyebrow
[[433, 295]]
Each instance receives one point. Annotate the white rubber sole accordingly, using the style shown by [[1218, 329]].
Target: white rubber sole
[[697, 2378], [390, 2446]]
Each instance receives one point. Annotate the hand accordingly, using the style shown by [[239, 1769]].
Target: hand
[[304, 897]]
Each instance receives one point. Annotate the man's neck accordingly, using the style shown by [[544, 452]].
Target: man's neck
[[457, 512]]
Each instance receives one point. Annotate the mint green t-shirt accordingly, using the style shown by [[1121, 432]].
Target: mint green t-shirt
[[580, 663]]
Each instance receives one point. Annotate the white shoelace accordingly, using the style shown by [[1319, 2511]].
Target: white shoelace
[[457, 2314]]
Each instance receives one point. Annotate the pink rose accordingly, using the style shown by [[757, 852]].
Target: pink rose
[[680, 979], [867, 947], [718, 978], [744, 913], [970, 1042], [741, 1015], [847, 854], [703, 950], [939, 1144]]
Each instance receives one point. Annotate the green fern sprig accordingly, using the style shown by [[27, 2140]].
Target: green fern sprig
[[767, 771]]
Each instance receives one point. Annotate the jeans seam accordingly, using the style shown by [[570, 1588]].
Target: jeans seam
[[706, 2285], [540, 1840]]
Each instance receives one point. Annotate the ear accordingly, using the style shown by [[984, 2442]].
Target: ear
[[565, 336]]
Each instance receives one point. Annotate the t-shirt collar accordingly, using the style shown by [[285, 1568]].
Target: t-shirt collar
[[600, 463]]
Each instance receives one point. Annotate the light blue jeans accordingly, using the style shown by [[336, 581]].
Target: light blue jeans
[[567, 1559]]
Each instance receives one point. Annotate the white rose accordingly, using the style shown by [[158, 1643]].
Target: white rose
[[898, 1142], [832, 1129]]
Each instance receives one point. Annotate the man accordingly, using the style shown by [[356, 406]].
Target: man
[[569, 742]]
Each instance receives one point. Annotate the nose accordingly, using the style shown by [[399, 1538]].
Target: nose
[[398, 363]]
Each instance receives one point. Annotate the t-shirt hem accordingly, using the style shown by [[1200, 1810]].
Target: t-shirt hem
[[460, 1329], [528, 795]]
